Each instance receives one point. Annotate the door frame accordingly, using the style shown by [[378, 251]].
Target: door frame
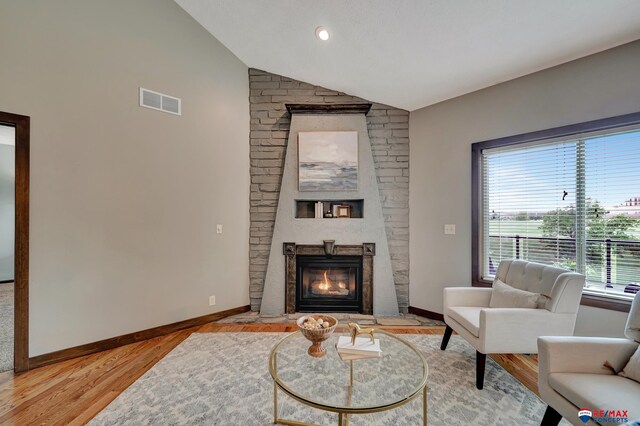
[[21, 123]]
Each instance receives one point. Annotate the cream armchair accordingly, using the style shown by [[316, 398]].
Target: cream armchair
[[513, 330], [572, 374]]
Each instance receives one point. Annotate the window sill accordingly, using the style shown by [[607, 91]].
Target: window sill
[[606, 302], [588, 299], [481, 283]]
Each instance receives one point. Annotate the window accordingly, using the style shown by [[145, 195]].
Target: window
[[568, 197]]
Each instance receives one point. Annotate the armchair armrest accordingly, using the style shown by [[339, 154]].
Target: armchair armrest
[[566, 293], [516, 330], [466, 296], [582, 354]]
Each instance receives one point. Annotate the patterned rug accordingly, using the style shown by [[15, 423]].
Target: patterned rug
[[6, 327], [223, 379]]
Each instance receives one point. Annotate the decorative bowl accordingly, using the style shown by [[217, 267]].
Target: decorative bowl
[[317, 336]]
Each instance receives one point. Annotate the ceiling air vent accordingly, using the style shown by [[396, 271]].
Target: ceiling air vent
[[160, 101]]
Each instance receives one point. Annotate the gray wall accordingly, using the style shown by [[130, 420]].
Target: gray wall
[[598, 86], [388, 130], [125, 200], [7, 208]]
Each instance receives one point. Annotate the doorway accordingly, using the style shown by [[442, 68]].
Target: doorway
[[7, 233], [14, 241]]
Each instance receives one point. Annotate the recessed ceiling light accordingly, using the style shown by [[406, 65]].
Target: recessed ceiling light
[[322, 33]]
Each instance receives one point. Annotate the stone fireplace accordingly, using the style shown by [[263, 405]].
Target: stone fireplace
[[296, 281], [328, 278], [273, 139]]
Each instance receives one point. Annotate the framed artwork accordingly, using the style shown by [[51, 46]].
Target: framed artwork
[[327, 161], [344, 211]]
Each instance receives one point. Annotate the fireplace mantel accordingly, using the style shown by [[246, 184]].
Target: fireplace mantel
[[353, 108], [366, 250]]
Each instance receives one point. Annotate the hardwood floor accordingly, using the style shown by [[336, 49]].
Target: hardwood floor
[[72, 392]]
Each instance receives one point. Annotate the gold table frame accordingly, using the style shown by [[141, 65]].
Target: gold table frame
[[343, 412]]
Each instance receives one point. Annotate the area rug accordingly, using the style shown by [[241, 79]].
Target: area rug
[[6, 327], [223, 379]]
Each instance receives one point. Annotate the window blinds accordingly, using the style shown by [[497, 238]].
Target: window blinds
[[574, 203], [612, 198]]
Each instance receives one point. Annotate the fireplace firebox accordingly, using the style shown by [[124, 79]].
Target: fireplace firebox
[[329, 284], [329, 278]]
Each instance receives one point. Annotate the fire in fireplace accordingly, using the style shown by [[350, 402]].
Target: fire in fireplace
[[329, 284]]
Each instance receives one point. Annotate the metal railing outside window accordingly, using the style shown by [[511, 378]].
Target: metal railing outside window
[[613, 266]]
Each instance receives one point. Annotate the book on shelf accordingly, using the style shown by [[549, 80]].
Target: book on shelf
[[363, 346], [319, 210]]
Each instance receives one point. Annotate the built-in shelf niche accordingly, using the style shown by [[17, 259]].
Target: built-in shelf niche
[[306, 209]]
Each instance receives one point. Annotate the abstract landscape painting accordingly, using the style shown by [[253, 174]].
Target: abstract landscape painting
[[327, 161]]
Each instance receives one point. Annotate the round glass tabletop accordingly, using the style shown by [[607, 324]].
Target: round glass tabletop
[[358, 386]]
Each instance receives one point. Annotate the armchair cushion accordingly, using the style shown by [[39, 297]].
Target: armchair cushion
[[467, 316], [598, 391], [573, 354], [562, 287], [505, 296], [529, 276]]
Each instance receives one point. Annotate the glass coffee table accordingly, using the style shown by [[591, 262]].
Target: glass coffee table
[[348, 387]]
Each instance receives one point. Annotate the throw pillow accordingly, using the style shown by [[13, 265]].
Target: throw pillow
[[632, 329], [505, 296], [632, 369], [542, 301]]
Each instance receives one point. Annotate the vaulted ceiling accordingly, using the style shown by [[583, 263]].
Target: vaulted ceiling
[[414, 53]]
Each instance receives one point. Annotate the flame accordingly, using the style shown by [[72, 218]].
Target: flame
[[325, 284]]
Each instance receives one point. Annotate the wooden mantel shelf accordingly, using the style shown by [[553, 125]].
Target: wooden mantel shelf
[[353, 108]]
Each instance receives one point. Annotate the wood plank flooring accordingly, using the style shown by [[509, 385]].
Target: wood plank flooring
[[72, 392]]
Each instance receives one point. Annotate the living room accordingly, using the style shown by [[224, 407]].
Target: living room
[[169, 231]]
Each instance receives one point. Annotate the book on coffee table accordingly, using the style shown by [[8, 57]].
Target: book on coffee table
[[351, 357], [363, 347]]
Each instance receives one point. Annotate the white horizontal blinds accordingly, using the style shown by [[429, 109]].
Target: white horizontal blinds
[[529, 196], [612, 189]]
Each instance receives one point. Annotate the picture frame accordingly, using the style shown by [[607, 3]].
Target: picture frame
[[343, 211], [328, 161]]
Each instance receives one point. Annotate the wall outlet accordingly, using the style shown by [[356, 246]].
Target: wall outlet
[[449, 229], [212, 300], [218, 229]]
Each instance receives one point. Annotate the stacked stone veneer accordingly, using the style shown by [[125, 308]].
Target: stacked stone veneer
[[389, 134]]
